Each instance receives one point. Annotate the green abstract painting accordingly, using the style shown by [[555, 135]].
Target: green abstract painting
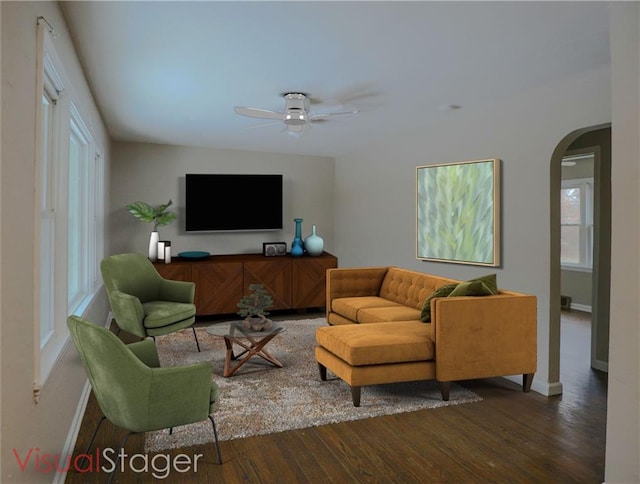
[[457, 212]]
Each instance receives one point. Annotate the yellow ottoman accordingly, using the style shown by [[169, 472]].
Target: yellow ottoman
[[373, 354]]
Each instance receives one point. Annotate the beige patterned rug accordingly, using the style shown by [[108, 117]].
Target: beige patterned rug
[[262, 399]]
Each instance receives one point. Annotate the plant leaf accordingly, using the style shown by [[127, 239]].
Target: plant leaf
[[165, 218], [142, 211]]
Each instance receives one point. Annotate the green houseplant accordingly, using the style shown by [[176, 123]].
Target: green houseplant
[[253, 308], [158, 215]]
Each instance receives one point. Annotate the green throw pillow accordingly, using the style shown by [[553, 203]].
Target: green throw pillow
[[471, 288], [480, 286], [491, 281], [442, 291]]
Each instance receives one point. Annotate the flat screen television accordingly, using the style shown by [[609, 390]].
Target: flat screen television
[[227, 202]]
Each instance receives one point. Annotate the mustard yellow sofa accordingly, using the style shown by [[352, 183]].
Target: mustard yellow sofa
[[376, 334]]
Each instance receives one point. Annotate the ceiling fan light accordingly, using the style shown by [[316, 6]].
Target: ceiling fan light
[[295, 117], [296, 131]]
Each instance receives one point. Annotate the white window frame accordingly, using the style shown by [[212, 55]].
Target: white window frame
[[586, 223], [51, 333], [88, 190], [52, 300], [50, 126]]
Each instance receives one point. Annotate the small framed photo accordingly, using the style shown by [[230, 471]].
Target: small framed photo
[[272, 249]]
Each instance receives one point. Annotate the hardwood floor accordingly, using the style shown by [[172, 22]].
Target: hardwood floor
[[510, 436]]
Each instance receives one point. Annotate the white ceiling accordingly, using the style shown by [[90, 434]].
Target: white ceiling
[[172, 72]]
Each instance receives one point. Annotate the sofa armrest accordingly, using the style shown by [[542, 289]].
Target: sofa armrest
[[353, 282], [481, 337]]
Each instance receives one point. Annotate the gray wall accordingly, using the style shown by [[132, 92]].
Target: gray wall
[[623, 404], [155, 173], [577, 285], [25, 424], [376, 188]]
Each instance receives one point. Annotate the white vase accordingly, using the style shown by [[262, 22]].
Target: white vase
[[314, 244], [153, 246]]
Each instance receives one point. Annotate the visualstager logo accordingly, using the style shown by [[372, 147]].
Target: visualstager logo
[[105, 460]]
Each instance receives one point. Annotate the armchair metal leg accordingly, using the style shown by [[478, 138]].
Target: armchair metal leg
[[93, 437], [196, 337], [115, 466], [215, 434]]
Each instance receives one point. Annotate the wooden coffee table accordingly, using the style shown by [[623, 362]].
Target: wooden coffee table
[[252, 342]]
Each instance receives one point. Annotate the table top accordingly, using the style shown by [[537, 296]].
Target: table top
[[236, 329]]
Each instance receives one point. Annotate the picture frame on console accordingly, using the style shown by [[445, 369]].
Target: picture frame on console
[[458, 212], [274, 249]]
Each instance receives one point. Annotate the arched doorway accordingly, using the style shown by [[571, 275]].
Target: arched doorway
[[601, 251]]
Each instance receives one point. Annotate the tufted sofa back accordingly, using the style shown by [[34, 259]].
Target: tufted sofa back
[[410, 288]]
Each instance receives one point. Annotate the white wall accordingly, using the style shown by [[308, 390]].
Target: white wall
[[623, 406], [376, 187], [155, 173], [26, 424]]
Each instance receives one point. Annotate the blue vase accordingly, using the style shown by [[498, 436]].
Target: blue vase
[[297, 246], [314, 244]]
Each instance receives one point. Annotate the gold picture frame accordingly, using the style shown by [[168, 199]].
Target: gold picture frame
[[458, 212]]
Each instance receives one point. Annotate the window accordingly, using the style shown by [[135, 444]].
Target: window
[[47, 215], [576, 219], [84, 205], [51, 129], [71, 190]]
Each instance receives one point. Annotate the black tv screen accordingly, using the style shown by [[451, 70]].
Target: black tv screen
[[224, 202]]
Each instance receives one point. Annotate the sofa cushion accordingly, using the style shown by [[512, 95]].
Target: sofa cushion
[[394, 313], [377, 344], [471, 288], [442, 291], [163, 313], [480, 286], [351, 306]]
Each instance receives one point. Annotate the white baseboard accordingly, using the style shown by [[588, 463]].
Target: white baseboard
[[600, 365], [74, 430], [581, 307], [107, 324], [544, 388]]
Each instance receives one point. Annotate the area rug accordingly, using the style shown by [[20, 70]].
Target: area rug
[[262, 399]]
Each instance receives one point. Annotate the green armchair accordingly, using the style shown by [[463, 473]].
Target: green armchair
[[133, 392], [143, 302]]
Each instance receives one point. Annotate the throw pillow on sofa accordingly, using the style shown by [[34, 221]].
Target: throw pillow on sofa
[[442, 291], [490, 280], [480, 286]]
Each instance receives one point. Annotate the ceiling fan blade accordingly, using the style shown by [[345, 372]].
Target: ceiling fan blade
[[258, 113], [358, 93], [261, 125], [324, 116]]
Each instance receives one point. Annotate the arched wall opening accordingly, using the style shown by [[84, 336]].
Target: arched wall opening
[[601, 258]]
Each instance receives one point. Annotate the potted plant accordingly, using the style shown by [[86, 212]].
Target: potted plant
[[253, 308], [158, 215]]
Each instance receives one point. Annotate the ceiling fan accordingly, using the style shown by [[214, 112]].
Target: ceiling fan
[[296, 115]]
